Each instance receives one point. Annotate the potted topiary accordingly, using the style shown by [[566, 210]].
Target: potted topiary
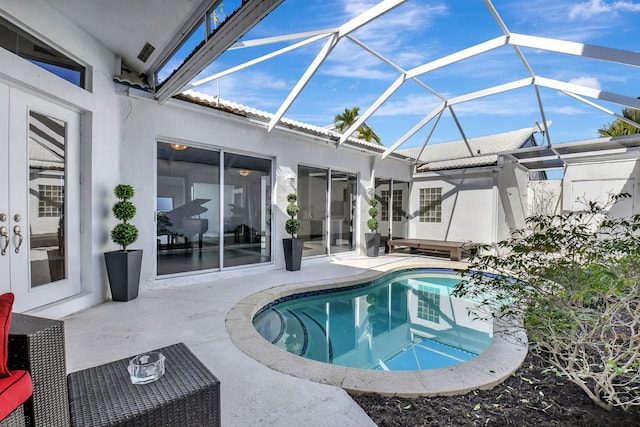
[[372, 239], [292, 246], [123, 266]]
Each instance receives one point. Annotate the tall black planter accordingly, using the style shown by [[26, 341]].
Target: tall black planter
[[123, 269], [373, 243], [293, 253]]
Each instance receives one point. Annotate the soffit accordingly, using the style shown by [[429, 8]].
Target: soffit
[[124, 26]]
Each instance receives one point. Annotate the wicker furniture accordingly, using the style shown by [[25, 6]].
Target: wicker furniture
[[37, 345], [187, 395], [15, 419]]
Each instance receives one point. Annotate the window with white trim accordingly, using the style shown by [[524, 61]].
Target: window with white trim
[[431, 204]]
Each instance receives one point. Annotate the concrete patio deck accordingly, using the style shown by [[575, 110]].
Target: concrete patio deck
[[251, 393]]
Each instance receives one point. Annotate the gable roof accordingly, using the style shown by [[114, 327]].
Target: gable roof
[[484, 150]]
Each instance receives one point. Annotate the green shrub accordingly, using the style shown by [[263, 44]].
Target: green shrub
[[372, 223], [124, 233], [573, 281], [292, 226]]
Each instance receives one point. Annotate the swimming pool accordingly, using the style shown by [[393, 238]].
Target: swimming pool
[[404, 320]]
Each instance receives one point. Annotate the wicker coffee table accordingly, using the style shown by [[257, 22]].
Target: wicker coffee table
[[186, 395]]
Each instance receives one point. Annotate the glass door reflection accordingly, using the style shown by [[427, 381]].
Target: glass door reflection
[[46, 234], [343, 202], [247, 210], [312, 200], [188, 188]]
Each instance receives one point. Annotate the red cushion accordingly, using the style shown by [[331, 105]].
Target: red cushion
[[14, 391], [6, 304]]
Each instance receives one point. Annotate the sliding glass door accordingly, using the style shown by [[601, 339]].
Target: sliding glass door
[[394, 204], [343, 203], [312, 200], [247, 210], [188, 209], [207, 200], [327, 200]]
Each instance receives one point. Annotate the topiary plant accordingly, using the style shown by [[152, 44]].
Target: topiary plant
[[372, 223], [125, 233], [292, 226]]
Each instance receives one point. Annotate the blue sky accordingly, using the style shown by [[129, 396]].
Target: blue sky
[[420, 31]]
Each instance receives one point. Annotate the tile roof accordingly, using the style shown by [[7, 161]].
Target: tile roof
[[485, 149], [263, 116]]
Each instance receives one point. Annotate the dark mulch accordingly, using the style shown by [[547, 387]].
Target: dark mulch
[[528, 398]]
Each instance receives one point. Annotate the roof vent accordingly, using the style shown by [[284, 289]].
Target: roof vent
[[146, 52]]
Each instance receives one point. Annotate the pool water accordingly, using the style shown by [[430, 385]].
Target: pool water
[[406, 320]]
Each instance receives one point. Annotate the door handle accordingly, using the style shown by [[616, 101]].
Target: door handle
[[5, 234], [18, 232]]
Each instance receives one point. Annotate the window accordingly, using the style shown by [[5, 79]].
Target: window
[[430, 204], [429, 303], [384, 205], [50, 200], [396, 206], [26, 46], [193, 40]]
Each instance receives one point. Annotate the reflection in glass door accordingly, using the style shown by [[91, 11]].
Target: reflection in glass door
[[394, 204], [188, 209], [247, 210], [399, 210], [383, 194], [343, 202], [312, 200], [197, 215], [46, 198]]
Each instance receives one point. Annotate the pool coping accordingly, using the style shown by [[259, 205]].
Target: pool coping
[[503, 356]]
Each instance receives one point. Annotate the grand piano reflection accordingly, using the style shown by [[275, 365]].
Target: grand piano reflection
[[183, 222]]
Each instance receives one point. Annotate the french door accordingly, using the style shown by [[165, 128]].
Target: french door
[[39, 199]]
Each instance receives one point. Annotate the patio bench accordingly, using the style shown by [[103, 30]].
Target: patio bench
[[453, 249], [186, 395]]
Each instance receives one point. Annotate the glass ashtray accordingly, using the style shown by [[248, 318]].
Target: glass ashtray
[[146, 368]]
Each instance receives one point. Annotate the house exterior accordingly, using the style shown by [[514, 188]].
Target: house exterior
[[465, 191], [593, 171], [210, 181]]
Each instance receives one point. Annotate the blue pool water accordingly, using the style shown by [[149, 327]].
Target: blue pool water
[[406, 320]]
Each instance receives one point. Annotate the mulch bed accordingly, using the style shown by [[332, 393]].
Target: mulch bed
[[528, 398]]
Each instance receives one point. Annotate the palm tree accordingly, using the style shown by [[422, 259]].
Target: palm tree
[[619, 127], [347, 118], [366, 133]]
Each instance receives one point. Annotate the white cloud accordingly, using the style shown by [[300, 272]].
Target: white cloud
[[586, 81], [593, 8]]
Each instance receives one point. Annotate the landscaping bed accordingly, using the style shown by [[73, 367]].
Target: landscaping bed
[[530, 397]]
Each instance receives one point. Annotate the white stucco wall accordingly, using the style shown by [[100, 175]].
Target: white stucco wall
[[469, 205], [595, 181], [544, 197], [145, 122], [99, 129]]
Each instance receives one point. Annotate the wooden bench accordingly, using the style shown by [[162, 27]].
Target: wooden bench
[[454, 249]]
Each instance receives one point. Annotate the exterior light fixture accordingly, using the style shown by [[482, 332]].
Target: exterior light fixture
[[244, 172], [179, 147]]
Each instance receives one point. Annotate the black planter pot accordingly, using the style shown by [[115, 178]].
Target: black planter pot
[[293, 253], [373, 243], [123, 269]]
